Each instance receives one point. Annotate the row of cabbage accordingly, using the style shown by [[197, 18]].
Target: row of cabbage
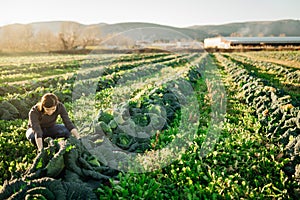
[[141, 103], [287, 74], [90, 60], [25, 72], [293, 56], [16, 100], [280, 119]]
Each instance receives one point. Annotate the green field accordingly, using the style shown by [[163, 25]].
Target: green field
[[155, 126]]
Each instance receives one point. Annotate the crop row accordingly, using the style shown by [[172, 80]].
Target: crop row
[[25, 72], [280, 119], [16, 152], [113, 89], [91, 60], [230, 162], [63, 90], [137, 115], [17, 104], [272, 77], [18, 60], [238, 166], [164, 97], [289, 75], [134, 124], [108, 68], [112, 79], [293, 56]]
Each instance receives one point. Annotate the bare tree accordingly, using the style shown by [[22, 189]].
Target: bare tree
[[260, 34], [282, 35], [26, 36], [45, 40], [9, 38], [69, 34], [118, 41], [17, 38], [90, 36], [236, 34]]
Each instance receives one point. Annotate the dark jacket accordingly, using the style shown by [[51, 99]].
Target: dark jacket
[[39, 120]]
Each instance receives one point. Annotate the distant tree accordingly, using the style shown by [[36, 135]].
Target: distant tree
[[282, 35], [17, 38], [236, 34], [22, 38], [26, 35], [7, 38], [116, 40], [69, 35], [45, 40], [260, 35], [90, 36]]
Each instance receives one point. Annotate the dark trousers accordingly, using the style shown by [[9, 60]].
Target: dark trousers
[[56, 131]]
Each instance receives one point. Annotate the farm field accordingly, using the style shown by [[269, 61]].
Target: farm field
[[156, 125]]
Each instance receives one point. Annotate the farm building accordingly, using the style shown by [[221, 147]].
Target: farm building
[[254, 42]]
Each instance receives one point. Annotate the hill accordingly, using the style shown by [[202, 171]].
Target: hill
[[259, 28], [66, 35]]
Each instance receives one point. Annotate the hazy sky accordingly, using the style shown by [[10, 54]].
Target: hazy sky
[[180, 13]]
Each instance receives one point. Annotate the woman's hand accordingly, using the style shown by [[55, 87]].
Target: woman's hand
[[75, 133]]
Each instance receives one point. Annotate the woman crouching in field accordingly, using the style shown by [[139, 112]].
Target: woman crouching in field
[[42, 121]]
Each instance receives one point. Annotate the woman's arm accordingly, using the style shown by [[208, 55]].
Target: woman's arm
[[65, 117], [39, 143], [36, 127]]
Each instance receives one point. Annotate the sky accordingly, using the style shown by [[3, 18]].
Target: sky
[[178, 13]]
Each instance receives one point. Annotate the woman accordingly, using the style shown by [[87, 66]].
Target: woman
[[42, 121]]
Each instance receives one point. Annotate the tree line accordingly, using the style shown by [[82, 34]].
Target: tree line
[[27, 38]]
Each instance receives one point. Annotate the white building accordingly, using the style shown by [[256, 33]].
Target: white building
[[217, 42], [231, 42]]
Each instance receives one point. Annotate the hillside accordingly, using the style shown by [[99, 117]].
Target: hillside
[[260, 28], [263, 28], [66, 35]]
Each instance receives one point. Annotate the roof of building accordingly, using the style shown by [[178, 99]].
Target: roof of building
[[251, 40]]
